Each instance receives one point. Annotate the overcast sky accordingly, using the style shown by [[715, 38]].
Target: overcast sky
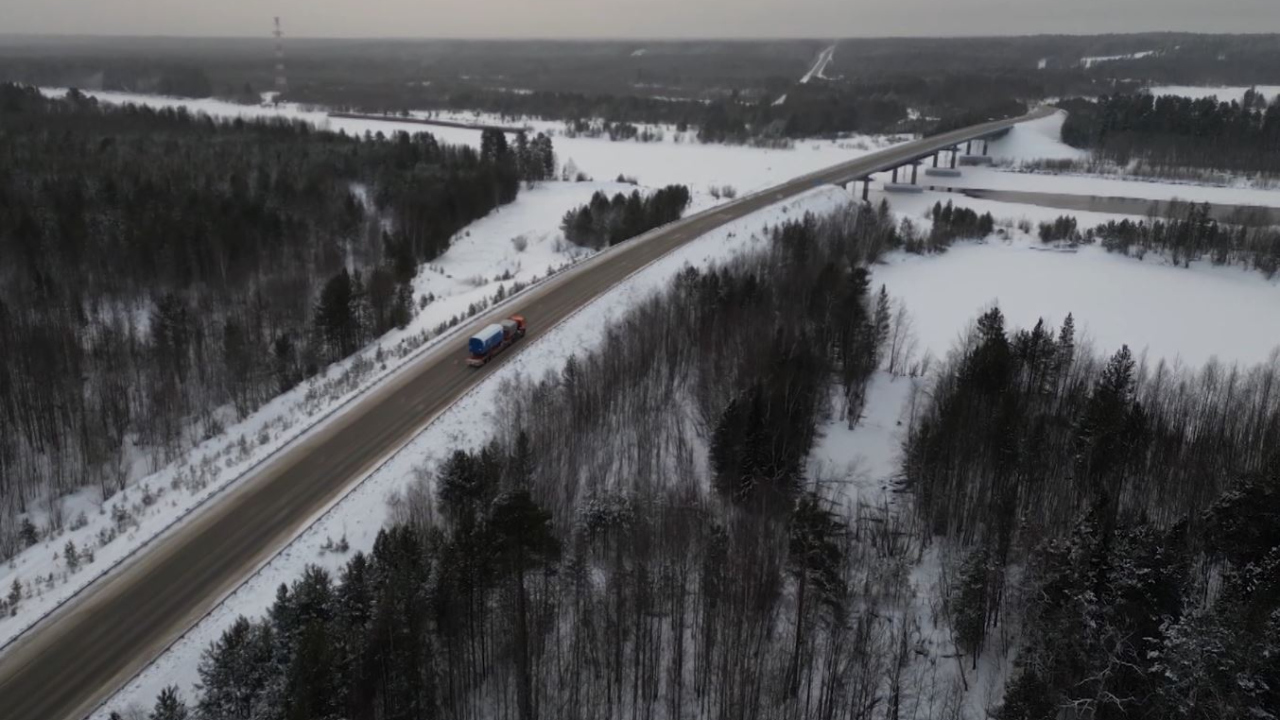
[[632, 18]]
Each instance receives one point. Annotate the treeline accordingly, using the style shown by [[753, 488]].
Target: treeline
[[600, 559], [948, 223], [1135, 503], [951, 223], [160, 265], [1193, 236], [603, 222], [1176, 131], [1189, 234]]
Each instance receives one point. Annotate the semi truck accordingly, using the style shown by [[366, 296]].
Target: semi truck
[[493, 339]]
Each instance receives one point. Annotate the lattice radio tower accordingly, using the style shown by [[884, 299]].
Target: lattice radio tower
[[282, 84]]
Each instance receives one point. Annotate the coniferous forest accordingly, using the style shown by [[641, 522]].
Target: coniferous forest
[[553, 574], [1122, 516], [603, 221], [159, 265], [644, 537], [1178, 132]]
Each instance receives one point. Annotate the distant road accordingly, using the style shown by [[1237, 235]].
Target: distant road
[[67, 665]]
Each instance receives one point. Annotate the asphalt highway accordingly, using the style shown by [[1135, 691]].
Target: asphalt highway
[[69, 663]]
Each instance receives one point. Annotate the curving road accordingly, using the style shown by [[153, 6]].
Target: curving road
[[68, 664]]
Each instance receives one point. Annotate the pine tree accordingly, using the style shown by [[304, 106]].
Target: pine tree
[[28, 532], [1027, 698], [523, 540], [969, 603], [1106, 429], [883, 320], [816, 561], [169, 705], [236, 670], [71, 556], [337, 316]]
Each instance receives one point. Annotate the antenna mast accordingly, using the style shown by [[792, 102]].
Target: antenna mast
[[282, 84]]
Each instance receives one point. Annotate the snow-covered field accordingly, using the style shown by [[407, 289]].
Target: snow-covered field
[[361, 514], [1036, 139], [1223, 93], [1188, 314], [1089, 62], [1172, 312]]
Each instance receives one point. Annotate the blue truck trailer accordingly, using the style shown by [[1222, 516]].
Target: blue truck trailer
[[493, 339]]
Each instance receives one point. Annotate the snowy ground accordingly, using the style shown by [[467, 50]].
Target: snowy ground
[[1173, 312], [1089, 62], [522, 239], [360, 514], [1223, 93], [677, 158], [1182, 315], [1185, 316], [468, 273], [1036, 139], [858, 464], [1169, 312]]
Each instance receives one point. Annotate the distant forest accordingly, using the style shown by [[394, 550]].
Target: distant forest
[[733, 89], [1179, 132], [160, 265], [726, 91]]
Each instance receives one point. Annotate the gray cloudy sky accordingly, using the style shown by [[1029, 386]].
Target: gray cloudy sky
[[633, 18]]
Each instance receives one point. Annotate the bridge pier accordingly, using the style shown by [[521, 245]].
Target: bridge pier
[[895, 174], [915, 168], [955, 152], [866, 189]]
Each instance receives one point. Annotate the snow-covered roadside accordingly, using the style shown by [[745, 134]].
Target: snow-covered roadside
[[675, 159], [521, 242], [361, 514]]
